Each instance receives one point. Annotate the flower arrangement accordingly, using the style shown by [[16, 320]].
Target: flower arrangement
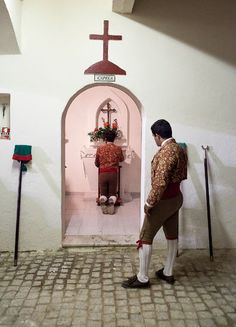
[[98, 133]]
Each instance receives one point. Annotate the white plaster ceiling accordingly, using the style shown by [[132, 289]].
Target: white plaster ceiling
[[8, 37], [8, 40], [123, 6]]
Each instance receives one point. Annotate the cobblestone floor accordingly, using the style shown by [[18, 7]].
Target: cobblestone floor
[[81, 288]]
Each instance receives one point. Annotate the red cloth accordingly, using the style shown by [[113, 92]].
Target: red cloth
[[141, 242], [22, 157], [171, 191], [108, 170]]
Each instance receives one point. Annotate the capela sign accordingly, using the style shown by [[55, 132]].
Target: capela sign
[[104, 78]]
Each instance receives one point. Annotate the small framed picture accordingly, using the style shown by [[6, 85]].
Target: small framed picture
[[5, 133]]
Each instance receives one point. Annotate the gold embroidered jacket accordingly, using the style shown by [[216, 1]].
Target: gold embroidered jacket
[[108, 155], [169, 165]]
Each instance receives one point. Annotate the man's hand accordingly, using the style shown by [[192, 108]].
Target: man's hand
[[147, 209]]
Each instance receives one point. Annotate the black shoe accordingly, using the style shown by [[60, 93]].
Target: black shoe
[[168, 279], [111, 207], [104, 209], [103, 205], [133, 282]]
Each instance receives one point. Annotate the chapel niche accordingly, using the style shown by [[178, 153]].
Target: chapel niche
[[109, 111], [83, 221], [4, 116]]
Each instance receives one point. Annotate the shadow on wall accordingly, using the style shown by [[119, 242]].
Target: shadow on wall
[[131, 183], [193, 232], [42, 162], [32, 221], [193, 222], [225, 176], [206, 25], [8, 205]]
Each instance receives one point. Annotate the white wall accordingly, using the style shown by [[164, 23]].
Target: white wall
[[180, 63]]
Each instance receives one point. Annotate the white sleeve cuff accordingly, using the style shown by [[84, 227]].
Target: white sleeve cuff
[[149, 205]]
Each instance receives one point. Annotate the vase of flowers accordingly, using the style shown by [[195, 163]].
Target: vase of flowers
[[97, 135]]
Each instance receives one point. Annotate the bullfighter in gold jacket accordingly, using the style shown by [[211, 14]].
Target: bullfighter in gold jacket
[[168, 169]]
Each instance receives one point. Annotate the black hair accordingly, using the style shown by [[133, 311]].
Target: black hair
[[109, 136], [162, 128]]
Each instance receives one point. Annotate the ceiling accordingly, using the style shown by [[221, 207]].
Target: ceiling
[[9, 35], [10, 17], [123, 6], [8, 41]]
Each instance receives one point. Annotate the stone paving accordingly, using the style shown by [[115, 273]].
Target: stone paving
[[81, 288]]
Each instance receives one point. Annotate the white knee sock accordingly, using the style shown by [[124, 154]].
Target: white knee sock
[[171, 255], [103, 198], [112, 199], [145, 253]]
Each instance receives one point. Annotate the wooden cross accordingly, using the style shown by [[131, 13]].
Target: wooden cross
[[105, 37], [109, 110]]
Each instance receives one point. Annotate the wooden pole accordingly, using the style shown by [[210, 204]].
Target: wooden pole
[[18, 216], [208, 203]]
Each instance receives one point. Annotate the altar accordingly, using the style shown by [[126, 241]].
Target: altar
[[87, 155]]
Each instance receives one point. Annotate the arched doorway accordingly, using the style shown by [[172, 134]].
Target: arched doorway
[[82, 220]]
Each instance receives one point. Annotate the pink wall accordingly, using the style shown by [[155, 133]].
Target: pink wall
[[81, 118]]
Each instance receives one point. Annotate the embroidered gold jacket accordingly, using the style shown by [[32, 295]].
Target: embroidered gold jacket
[[108, 155], [169, 165]]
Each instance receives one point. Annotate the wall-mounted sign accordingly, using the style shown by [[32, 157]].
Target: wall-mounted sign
[[105, 66], [104, 78]]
